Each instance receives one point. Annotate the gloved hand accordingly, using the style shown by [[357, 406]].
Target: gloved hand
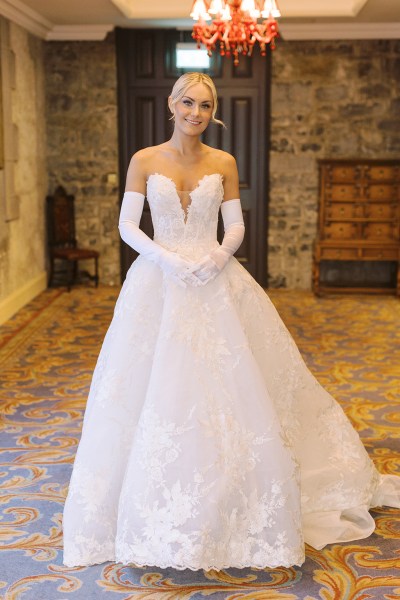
[[172, 264], [177, 267], [213, 263], [206, 269]]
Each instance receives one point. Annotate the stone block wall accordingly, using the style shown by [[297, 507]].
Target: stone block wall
[[329, 100], [22, 236], [82, 137]]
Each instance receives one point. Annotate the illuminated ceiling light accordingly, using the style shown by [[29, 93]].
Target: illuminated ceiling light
[[199, 11], [237, 25]]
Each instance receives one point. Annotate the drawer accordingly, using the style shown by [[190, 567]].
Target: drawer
[[341, 231], [379, 231], [380, 253], [381, 211], [342, 173], [382, 192], [340, 210], [382, 172], [339, 253], [344, 193]]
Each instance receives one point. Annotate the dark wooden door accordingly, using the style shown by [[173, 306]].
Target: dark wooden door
[[146, 74]]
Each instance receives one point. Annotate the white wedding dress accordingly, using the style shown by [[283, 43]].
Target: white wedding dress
[[207, 443]]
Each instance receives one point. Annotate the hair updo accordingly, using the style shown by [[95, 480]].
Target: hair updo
[[184, 82]]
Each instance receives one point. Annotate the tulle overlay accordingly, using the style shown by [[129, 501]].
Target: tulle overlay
[[207, 443]]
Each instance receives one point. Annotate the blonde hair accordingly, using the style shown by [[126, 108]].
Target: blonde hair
[[184, 82]]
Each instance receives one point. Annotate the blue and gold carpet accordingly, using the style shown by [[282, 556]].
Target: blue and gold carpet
[[47, 354]]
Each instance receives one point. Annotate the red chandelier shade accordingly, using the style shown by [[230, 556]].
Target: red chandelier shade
[[235, 25]]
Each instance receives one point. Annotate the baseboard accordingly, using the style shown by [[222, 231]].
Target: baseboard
[[10, 305]]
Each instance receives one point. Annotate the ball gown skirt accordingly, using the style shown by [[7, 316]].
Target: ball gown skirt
[[206, 442]]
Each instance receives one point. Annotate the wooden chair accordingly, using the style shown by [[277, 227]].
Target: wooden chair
[[62, 243]]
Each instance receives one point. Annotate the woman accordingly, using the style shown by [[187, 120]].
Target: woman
[[206, 443]]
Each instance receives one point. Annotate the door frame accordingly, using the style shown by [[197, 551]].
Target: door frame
[[124, 51]]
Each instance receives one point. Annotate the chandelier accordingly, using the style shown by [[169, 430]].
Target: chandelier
[[235, 25]]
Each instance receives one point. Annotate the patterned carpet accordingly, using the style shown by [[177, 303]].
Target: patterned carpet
[[47, 354]]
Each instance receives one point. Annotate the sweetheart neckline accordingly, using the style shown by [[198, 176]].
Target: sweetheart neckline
[[186, 191], [185, 211]]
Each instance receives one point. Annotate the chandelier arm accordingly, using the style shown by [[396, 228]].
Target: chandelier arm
[[214, 38], [225, 37], [236, 25], [261, 38]]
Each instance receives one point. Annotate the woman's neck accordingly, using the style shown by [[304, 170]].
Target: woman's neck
[[185, 145]]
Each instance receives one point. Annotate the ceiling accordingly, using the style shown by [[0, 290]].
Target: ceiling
[[301, 19]]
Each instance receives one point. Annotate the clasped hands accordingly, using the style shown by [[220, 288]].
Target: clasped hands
[[194, 273]]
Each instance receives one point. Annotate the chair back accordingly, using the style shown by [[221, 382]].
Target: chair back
[[60, 212]]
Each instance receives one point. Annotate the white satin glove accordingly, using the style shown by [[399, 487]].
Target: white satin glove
[[213, 263], [172, 264]]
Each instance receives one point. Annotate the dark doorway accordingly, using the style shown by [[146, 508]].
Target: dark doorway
[[146, 73]]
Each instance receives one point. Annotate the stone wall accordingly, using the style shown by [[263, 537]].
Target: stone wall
[[329, 100], [22, 245], [81, 100]]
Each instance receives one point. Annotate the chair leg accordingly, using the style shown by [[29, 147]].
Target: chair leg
[[51, 275], [70, 274], [75, 271], [96, 271]]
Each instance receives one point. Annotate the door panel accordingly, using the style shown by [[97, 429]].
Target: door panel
[[146, 74]]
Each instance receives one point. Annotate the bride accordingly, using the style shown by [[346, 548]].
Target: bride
[[206, 441]]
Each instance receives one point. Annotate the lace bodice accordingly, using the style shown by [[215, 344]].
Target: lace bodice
[[191, 232]]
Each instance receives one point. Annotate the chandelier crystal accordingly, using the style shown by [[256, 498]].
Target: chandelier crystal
[[236, 25]]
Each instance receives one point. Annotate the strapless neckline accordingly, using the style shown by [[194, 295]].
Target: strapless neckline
[[200, 181], [185, 210]]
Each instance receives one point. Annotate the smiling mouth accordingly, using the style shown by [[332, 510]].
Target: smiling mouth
[[193, 122]]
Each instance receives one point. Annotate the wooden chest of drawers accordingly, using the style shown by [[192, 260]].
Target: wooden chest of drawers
[[359, 217]]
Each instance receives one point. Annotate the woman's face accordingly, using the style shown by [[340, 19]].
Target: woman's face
[[194, 110]]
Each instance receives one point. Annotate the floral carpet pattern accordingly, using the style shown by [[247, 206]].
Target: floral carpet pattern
[[47, 355]]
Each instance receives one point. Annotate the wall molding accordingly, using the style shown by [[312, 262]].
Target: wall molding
[[320, 8], [35, 23], [29, 19], [289, 8], [17, 12], [78, 32], [340, 31], [15, 301]]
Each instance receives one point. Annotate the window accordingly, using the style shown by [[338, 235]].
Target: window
[[189, 57]]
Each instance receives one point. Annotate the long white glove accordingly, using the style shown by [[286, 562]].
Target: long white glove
[[212, 264], [172, 264]]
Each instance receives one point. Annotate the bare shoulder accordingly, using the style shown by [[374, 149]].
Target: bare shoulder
[[136, 175], [224, 159], [139, 168], [227, 158], [228, 168], [143, 156]]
